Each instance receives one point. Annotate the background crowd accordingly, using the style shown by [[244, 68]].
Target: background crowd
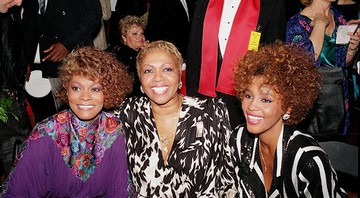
[[202, 54]]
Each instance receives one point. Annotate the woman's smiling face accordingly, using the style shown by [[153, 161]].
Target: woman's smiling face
[[86, 98], [262, 107], [160, 77]]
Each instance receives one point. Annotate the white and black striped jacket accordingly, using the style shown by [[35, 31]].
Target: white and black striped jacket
[[301, 167]]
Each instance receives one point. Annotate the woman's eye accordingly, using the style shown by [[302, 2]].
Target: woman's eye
[[96, 89], [75, 88], [168, 69], [146, 71], [266, 100], [247, 96]]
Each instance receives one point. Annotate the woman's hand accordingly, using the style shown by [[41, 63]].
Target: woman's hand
[[354, 41], [320, 19]]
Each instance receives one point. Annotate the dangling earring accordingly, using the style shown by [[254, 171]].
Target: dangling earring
[[141, 89], [286, 116], [180, 85]]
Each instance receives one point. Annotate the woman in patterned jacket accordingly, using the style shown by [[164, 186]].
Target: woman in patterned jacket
[[277, 86], [177, 146]]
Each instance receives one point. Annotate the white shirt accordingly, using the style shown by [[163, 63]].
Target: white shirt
[[227, 17], [183, 2], [37, 55], [113, 5]]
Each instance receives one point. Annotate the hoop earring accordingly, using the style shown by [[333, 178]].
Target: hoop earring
[[141, 89], [180, 85], [286, 116]]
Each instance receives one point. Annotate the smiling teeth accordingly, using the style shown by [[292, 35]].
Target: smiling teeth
[[255, 117], [85, 107], [159, 90]]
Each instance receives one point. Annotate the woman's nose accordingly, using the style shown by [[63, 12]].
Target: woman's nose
[[85, 95], [158, 76], [253, 104]]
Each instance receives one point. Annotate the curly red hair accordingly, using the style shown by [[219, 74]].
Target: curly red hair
[[289, 69], [95, 64]]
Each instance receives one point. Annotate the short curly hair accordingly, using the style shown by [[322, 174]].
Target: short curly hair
[[165, 46], [96, 64], [128, 22], [289, 69]]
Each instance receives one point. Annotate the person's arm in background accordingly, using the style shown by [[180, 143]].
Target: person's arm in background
[[317, 35], [89, 22], [299, 31], [6, 4]]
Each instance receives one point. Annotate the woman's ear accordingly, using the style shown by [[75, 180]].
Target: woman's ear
[[288, 110], [123, 38]]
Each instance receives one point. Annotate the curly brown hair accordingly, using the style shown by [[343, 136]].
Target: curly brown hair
[[128, 22], [165, 46], [96, 64], [289, 69]]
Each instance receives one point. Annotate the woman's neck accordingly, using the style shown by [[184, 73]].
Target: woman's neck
[[168, 109], [320, 7]]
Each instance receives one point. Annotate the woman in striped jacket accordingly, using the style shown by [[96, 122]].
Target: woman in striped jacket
[[277, 86]]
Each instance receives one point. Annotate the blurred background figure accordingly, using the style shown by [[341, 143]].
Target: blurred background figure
[[100, 41], [80, 151], [14, 125], [120, 9], [170, 21], [220, 33], [315, 29], [132, 40], [51, 29], [272, 158], [351, 10]]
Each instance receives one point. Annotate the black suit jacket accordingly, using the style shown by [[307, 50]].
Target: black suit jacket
[[74, 23], [271, 24], [168, 21]]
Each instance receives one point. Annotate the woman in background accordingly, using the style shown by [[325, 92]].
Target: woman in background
[[315, 29], [132, 39], [177, 146], [78, 152], [272, 158]]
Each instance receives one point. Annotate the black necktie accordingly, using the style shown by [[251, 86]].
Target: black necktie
[[42, 6]]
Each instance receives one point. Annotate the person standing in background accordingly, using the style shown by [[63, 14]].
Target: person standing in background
[[51, 30], [315, 29], [131, 29], [220, 33], [100, 41], [14, 125], [170, 21], [351, 10]]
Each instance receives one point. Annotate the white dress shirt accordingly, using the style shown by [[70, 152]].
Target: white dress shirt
[[227, 17]]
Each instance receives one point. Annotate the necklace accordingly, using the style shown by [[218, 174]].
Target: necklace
[[262, 158], [165, 141]]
